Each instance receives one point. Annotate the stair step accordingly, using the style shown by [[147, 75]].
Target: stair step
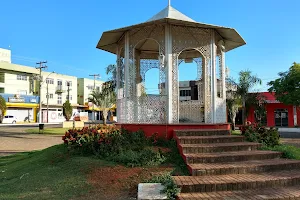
[[209, 139], [201, 132], [281, 193], [232, 156], [234, 182], [251, 166], [219, 147]]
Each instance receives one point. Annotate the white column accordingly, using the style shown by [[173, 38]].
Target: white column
[[223, 75], [138, 92], [127, 76], [295, 116], [169, 74], [213, 78]]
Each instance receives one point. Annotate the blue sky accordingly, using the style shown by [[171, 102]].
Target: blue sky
[[65, 33]]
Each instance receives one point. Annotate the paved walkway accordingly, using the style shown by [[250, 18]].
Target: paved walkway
[[14, 140]]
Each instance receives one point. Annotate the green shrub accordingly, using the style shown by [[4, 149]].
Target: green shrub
[[111, 143], [288, 151], [256, 133], [145, 157], [170, 188], [67, 110]]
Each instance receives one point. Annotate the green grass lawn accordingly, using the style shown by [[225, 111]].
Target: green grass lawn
[[49, 131], [236, 132], [48, 174]]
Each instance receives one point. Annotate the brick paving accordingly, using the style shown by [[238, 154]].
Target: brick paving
[[225, 167]]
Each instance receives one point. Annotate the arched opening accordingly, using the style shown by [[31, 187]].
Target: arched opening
[[190, 65], [151, 86], [150, 104]]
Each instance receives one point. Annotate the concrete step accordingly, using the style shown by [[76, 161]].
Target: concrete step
[[232, 156], [210, 139], [235, 182], [252, 166], [219, 147], [201, 132], [279, 193]]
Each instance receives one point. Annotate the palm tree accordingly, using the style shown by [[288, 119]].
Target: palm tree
[[246, 82], [104, 99], [233, 103]]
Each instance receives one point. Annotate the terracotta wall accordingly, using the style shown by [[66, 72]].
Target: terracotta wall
[[166, 131]]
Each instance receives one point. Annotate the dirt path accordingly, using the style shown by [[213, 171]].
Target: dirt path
[[14, 140]]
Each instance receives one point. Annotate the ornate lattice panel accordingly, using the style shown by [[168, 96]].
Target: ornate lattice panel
[[190, 38], [191, 112], [221, 114], [151, 109], [139, 107]]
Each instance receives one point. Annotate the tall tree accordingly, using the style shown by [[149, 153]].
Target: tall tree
[[287, 86], [246, 82], [2, 108], [233, 103], [67, 110], [104, 99]]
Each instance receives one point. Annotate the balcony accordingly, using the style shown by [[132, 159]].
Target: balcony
[[59, 89]]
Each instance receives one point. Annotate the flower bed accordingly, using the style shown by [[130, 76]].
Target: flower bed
[[111, 143]]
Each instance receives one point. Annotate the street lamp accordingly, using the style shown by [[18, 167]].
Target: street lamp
[[40, 107]]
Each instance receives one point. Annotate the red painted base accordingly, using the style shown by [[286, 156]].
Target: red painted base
[[166, 130]]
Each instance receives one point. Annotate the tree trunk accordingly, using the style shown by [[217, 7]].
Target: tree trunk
[[244, 112], [233, 123], [105, 112]]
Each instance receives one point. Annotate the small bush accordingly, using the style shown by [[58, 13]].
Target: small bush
[[256, 133], [288, 151], [170, 188]]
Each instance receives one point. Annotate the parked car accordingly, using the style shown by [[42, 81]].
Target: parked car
[[9, 119]]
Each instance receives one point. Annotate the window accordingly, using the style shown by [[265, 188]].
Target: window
[[69, 82], [22, 92], [185, 93], [50, 81], [22, 77], [70, 97], [50, 96], [98, 88], [59, 82], [90, 87], [59, 99]]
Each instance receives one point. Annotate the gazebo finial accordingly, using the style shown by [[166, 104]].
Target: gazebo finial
[[169, 2]]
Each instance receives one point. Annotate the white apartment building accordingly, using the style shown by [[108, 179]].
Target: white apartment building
[[58, 87], [84, 89]]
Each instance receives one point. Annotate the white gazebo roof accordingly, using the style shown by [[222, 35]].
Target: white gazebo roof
[[109, 39], [170, 13]]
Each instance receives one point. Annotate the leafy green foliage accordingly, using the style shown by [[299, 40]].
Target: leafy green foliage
[[104, 99], [67, 110], [290, 152], [246, 82], [111, 143], [2, 108], [287, 86], [170, 188], [268, 137]]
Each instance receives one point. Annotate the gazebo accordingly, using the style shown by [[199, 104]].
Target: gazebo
[[164, 42]]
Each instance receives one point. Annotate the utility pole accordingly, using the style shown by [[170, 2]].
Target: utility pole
[[95, 76], [68, 84], [41, 67]]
